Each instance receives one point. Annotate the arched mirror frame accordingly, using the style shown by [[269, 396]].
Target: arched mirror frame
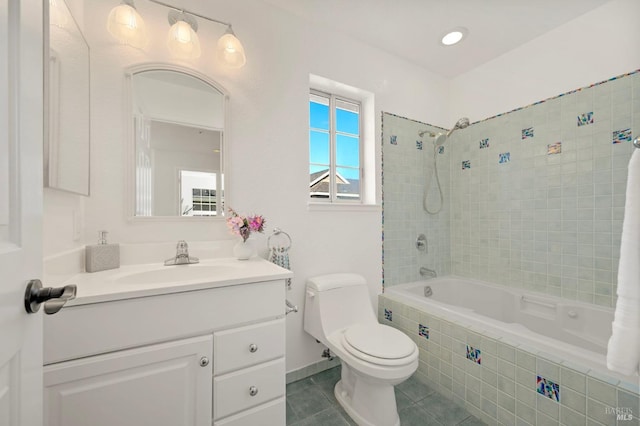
[[130, 146]]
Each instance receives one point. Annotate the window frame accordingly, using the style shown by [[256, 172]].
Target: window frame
[[333, 196]]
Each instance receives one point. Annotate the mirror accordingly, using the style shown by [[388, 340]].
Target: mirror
[[178, 123], [66, 149]]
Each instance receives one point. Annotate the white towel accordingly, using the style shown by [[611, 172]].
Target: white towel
[[623, 353]]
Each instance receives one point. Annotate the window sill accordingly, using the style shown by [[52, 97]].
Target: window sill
[[343, 207]]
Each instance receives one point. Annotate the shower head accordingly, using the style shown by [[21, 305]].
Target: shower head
[[440, 139], [460, 124]]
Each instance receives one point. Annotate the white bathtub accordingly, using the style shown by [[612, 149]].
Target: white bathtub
[[572, 331]]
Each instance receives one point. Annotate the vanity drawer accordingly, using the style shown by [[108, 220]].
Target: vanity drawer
[[244, 346], [272, 413], [232, 392]]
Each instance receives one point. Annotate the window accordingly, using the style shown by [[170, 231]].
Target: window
[[199, 194], [335, 148]]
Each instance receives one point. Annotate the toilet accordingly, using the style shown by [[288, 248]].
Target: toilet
[[374, 357]]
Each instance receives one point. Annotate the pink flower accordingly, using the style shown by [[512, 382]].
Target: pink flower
[[256, 223], [243, 226]]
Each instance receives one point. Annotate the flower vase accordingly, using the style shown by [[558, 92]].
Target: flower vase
[[243, 250]]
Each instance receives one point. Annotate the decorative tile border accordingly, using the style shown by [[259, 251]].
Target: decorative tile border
[[474, 355], [586, 118], [393, 140], [559, 96], [466, 164], [554, 148], [388, 314], [527, 133], [548, 388], [620, 136], [419, 145], [484, 143], [423, 331], [504, 157]]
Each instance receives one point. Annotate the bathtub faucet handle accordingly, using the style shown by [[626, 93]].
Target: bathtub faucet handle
[[427, 272]]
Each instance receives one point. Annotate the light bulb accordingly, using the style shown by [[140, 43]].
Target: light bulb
[[57, 15], [126, 25], [454, 36], [183, 41], [230, 50]]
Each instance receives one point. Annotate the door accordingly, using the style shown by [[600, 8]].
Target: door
[[21, 130]]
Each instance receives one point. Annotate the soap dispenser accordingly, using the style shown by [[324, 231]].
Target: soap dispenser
[[102, 256]]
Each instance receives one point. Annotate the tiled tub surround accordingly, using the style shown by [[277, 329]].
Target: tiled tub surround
[[408, 169], [506, 374], [541, 207]]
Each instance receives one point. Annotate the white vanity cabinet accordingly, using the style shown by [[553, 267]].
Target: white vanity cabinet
[[211, 356]]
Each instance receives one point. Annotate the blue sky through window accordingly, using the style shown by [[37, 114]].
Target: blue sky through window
[[347, 124]]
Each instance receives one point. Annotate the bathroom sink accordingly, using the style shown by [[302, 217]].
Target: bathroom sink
[[169, 274]]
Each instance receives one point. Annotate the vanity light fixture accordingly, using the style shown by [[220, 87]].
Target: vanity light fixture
[[183, 41], [126, 25], [230, 50], [454, 36]]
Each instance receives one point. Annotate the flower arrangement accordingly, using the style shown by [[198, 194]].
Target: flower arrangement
[[243, 226]]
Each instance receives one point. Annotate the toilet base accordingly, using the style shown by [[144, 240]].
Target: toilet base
[[384, 410]]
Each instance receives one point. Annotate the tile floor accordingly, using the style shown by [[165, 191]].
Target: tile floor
[[310, 402]]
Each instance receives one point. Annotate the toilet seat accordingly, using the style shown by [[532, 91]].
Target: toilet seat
[[379, 344]]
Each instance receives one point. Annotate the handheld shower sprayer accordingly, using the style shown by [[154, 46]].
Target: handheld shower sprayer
[[439, 139]]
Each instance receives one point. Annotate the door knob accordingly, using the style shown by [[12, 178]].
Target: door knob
[[53, 298]]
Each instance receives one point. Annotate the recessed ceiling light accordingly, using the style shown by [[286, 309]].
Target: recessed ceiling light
[[454, 36]]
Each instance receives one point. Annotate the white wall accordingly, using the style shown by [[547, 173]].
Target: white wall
[[594, 47], [267, 138]]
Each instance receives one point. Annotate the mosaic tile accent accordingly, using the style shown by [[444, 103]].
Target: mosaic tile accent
[[419, 145], [554, 148], [474, 355], [393, 140], [423, 331], [388, 314], [620, 136], [484, 143], [441, 150], [504, 157], [548, 388], [586, 118], [527, 133], [558, 96], [466, 164]]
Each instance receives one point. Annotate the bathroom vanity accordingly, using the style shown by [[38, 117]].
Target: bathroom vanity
[[179, 345]]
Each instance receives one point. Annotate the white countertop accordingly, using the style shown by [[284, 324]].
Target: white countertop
[[131, 281]]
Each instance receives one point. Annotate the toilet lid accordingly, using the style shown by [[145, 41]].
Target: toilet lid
[[379, 341]]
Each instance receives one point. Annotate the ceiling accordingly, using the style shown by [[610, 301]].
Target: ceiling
[[412, 29]]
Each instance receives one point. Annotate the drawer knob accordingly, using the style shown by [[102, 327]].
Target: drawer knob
[[253, 348], [204, 361], [253, 391]]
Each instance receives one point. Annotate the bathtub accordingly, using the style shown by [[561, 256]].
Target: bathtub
[[556, 334]]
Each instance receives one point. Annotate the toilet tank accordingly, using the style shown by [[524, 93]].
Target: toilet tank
[[334, 302]]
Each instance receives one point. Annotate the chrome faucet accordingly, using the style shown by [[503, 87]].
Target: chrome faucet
[[182, 255], [427, 272]]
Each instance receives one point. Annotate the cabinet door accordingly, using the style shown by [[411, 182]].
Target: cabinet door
[[160, 385]]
